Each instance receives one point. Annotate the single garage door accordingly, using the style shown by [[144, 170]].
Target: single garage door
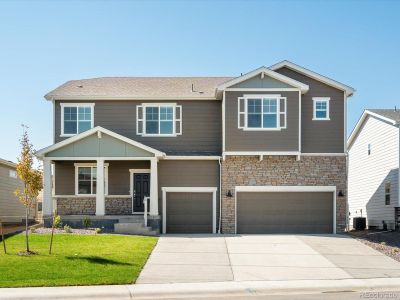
[[189, 212], [284, 212]]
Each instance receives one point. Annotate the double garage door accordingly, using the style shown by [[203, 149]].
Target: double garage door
[[257, 212], [285, 212]]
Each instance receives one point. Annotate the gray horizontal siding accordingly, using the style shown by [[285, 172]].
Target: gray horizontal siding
[[202, 133], [239, 140], [320, 136]]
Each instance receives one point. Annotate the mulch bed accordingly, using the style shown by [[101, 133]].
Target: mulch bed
[[386, 242], [62, 231]]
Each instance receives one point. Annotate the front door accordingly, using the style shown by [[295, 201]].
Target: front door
[[141, 189]]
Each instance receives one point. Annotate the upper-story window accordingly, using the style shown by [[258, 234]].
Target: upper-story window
[[12, 173], [159, 119], [262, 112], [76, 118], [321, 108]]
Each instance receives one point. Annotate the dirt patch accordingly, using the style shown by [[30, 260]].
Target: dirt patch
[[386, 242]]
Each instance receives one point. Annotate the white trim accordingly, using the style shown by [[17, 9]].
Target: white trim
[[323, 154], [321, 99], [198, 157], [107, 98], [257, 153], [94, 130], [223, 120], [360, 122], [299, 122], [291, 189], [77, 105], [77, 158], [91, 165], [246, 97], [264, 70], [131, 174], [262, 90], [166, 190], [345, 122], [349, 90], [174, 120]]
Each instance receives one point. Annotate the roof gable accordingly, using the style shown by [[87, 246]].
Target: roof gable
[[285, 63], [262, 82], [367, 113], [264, 72], [98, 142]]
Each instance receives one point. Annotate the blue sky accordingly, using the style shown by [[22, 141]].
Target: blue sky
[[45, 43]]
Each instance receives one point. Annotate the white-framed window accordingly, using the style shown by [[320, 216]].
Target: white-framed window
[[12, 173], [159, 119], [387, 193], [262, 112], [76, 118], [86, 179], [321, 108]]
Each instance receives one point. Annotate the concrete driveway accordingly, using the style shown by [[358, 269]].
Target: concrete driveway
[[206, 258]]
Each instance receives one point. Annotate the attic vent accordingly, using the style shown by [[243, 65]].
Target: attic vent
[[194, 91]]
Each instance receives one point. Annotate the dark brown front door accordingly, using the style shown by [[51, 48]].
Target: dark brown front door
[[141, 189]]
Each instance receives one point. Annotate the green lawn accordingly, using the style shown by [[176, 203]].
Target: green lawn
[[76, 260]]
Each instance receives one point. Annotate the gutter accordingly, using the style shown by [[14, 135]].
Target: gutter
[[220, 196]]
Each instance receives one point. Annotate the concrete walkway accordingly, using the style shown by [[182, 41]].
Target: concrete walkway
[[239, 258]]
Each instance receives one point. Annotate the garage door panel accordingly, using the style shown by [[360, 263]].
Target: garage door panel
[[294, 212], [189, 212]]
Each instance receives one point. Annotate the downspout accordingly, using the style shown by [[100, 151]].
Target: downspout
[[220, 196]]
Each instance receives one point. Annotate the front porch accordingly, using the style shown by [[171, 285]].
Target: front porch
[[103, 176]]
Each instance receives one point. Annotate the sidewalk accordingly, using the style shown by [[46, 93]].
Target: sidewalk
[[159, 291]]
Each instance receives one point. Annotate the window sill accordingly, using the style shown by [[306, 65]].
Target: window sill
[[67, 135], [261, 129], [158, 135], [325, 119]]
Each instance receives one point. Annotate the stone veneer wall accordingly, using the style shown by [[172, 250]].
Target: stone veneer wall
[[76, 206], [87, 206], [118, 206], [282, 170]]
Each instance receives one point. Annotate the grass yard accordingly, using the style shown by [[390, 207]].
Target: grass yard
[[76, 260]]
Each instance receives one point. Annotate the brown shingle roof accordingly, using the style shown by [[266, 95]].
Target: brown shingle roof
[[138, 88]]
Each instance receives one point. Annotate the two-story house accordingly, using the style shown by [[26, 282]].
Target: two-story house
[[264, 152]]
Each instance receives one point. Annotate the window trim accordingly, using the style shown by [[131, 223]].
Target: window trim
[[174, 120], [388, 194], [77, 105], [277, 97], [321, 99], [86, 165]]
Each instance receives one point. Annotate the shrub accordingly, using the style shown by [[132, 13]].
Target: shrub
[[32, 230], [57, 222], [87, 222], [67, 228], [98, 230]]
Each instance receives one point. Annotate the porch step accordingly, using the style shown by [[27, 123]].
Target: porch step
[[134, 228]]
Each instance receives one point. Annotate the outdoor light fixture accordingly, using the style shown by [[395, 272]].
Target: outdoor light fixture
[[340, 194], [229, 194]]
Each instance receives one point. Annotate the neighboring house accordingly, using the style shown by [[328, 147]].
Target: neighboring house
[[374, 168], [264, 152], [11, 209]]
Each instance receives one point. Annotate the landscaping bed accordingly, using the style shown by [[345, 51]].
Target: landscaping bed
[[76, 259], [387, 242]]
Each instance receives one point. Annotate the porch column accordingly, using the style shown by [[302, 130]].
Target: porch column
[[153, 187], [100, 205], [47, 188]]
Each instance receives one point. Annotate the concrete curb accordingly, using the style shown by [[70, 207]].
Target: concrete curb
[[234, 288]]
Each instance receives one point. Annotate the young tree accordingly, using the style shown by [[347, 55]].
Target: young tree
[[32, 180]]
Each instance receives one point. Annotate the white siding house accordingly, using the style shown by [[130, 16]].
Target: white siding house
[[373, 168]]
